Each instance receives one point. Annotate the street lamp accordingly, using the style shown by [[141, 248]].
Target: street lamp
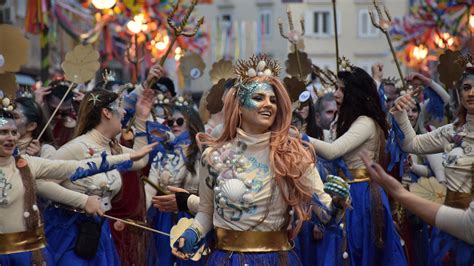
[[103, 4]]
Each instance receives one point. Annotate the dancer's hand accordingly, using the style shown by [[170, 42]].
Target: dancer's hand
[[156, 72], [93, 205], [187, 245], [40, 93], [168, 203], [34, 149], [144, 104], [377, 71], [137, 155], [405, 102], [423, 78], [378, 175]]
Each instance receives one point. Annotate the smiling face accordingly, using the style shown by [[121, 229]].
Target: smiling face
[[258, 109], [413, 115], [8, 137], [467, 94]]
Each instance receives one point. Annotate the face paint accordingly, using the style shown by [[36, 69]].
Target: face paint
[[247, 91]]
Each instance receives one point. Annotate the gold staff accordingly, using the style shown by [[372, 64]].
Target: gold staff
[[383, 25]]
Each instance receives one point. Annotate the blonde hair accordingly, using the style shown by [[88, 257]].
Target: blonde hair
[[289, 159]]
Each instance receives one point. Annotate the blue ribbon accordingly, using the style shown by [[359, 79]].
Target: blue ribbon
[[392, 147], [382, 97], [435, 105], [104, 167], [164, 146]]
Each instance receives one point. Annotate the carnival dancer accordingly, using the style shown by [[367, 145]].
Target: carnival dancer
[[99, 122], [255, 177], [21, 230], [371, 235], [175, 165], [456, 140]]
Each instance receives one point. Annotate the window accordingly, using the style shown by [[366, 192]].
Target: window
[[320, 23], [6, 12], [265, 23], [366, 29]]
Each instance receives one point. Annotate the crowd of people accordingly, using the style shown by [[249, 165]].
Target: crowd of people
[[267, 181]]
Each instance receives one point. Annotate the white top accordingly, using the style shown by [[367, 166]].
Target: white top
[[459, 156], [12, 190], [170, 170], [361, 135], [459, 223], [238, 189], [91, 145]]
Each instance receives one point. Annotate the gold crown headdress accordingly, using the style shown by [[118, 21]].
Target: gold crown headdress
[[346, 64], [255, 66], [327, 78], [260, 65], [391, 81], [452, 66]]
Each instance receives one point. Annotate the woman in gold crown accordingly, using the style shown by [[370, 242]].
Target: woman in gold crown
[[255, 177]]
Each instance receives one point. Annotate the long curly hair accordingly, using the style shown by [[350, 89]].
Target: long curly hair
[[289, 158]]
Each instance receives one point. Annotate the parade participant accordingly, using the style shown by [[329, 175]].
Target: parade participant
[[65, 121], [175, 166], [371, 235], [455, 140], [99, 122], [307, 112], [30, 121], [21, 229], [326, 110], [255, 176], [454, 221]]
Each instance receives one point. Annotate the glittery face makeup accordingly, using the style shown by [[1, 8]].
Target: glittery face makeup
[[20, 119], [248, 94], [259, 109]]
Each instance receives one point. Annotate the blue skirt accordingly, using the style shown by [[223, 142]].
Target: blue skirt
[[164, 221], [228, 258], [360, 236], [325, 251], [23, 258], [62, 227], [448, 250]]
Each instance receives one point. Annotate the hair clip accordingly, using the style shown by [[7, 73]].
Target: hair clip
[[94, 98]]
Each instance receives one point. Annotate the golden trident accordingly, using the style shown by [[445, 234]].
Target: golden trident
[[383, 25], [293, 35], [179, 30]]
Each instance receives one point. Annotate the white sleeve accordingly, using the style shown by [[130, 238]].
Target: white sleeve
[[457, 222], [436, 164], [361, 130], [431, 142], [149, 190], [203, 220]]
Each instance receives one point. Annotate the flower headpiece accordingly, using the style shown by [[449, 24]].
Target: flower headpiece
[[346, 64], [7, 105], [255, 66]]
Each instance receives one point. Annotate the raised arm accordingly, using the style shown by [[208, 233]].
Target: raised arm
[[431, 142], [359, 132]]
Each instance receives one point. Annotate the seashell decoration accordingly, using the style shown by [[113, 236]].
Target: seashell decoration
[[233, 189]]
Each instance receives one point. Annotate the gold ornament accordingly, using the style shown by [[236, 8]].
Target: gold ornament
[[222, 69], [260, 65], [81, 64], [14, 48], [192, 66]]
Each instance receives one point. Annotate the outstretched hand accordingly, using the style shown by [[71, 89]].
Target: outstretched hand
[[144, 104], [379, 175], [137, 155]]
